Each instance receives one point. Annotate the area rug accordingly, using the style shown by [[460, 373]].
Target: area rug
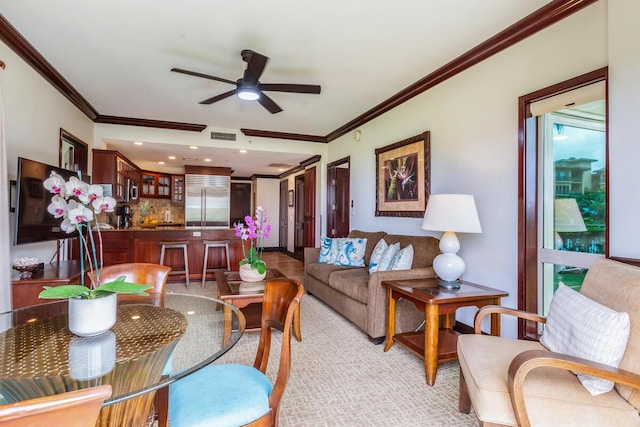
[[339, 378]]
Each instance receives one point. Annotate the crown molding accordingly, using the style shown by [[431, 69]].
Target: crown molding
[[130, 121]]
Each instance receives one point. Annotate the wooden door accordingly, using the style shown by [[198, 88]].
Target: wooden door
[[342, 200], [284, 214], [299, 211], [240, 203], [310, 207]]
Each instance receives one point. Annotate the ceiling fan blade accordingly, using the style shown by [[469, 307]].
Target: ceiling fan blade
[[255, 66], [218, 97], [204, 76], [269, 104], [294, 88]]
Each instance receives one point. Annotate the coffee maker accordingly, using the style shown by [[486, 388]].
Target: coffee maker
[[123, 216]]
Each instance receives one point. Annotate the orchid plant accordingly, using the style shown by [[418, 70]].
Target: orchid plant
[[255, 231], [79, 203]]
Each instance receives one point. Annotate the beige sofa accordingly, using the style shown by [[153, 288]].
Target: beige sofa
[[360, 297], [517, 382]]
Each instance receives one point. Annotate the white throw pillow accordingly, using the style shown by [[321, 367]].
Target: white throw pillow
[[376, 255], [326, 244], [350, 252], [403, 259], [387, 257], [581, 327]]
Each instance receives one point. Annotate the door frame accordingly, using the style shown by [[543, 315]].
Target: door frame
[[331, 193]]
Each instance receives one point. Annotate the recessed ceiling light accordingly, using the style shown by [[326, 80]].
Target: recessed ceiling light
[[172, 157], [161, 163], [280, 170], [193, 147], [137, 143], [207, 160], [243, 151]]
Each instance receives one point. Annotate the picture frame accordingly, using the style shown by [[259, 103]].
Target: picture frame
[[291, 198], [403, 177]]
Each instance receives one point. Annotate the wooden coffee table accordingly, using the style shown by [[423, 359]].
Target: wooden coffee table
[[437, 343], [248, 297]]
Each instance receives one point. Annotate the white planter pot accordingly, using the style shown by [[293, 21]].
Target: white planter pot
[[90, 317], [92, 357], [248, 274]]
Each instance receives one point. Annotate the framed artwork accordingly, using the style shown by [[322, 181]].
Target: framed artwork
[[290, 197], [403, 177]]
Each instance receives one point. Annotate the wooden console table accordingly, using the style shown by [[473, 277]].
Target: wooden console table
[[437, 343], [24, 292]]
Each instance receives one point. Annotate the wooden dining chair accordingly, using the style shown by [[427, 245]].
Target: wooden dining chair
[[77, 408], [233, 394], [136, 272]]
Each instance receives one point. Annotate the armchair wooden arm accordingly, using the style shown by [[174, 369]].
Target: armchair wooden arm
[[529, 360], [497, 309]]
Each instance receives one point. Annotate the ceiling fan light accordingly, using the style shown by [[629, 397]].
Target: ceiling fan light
[[248, 93]]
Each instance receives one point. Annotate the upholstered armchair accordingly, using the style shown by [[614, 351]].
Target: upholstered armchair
[[522, 383]]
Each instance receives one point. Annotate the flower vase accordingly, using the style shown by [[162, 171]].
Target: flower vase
[[91, 317], [249, 274]]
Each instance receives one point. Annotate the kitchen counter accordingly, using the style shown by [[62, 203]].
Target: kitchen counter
[[138, 244]]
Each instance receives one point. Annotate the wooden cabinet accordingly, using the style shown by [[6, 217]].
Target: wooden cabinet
[[177, 190], [111, 167], [155, 184]]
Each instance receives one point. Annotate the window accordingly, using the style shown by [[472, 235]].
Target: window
[[563, 177]]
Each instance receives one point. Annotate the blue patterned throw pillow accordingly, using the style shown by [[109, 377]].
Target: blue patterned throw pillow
[[387, 257], [326, 244], [403, 259], [376, 255], [351, 252]]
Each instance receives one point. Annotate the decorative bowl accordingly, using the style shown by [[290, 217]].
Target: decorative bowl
[[26, 271]]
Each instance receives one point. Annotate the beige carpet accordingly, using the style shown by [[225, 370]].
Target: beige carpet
[[339, 378]]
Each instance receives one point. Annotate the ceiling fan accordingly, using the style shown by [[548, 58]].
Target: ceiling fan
[[249, 87]]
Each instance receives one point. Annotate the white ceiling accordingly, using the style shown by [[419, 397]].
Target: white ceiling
[[118, 54]]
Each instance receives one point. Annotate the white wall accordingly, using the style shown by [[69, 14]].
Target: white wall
[[268, 196], [34, 113], [473, 120]]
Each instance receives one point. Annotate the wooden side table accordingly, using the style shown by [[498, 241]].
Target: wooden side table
[[24, 292], [248, 297], [437, 343]]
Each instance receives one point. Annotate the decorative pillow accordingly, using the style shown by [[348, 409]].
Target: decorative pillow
[[350, 252], [403, 259], [581, 327], [326, 243], [376, 255], [388, 255]]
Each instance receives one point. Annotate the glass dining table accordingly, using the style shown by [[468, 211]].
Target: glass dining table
[[156, 340]]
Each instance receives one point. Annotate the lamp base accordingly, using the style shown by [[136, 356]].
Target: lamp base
[[449, 286]]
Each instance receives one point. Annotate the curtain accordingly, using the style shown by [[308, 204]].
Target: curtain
[[5, 257]]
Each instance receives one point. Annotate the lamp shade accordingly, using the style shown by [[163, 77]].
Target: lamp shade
[[451, 212], [567, 216]]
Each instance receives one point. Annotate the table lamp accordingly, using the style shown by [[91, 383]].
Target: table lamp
[[451, 213], [567, 219]]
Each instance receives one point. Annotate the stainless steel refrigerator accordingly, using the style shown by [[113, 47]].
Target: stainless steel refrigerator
[[207, 200]]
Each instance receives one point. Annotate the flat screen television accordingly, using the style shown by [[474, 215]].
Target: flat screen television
[[33, 223]]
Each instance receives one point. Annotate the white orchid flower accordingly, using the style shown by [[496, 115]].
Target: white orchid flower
[[57, 207], [78, 188], [55, 184], [67, 227], [104, 204], [79, 215], [94, 192]]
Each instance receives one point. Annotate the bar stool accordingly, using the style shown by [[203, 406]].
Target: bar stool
[[176, 245], [214, 244]]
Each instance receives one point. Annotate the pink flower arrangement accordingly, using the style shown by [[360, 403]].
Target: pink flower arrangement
[[255, 231]]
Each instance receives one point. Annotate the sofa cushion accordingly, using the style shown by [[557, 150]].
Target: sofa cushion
[[350, 251], [581, 327], [322, 272], [387, 256], [425, 248], [354, 283], [326, 244], [372, 239], [554, 397], [376, 255], [403, 259]]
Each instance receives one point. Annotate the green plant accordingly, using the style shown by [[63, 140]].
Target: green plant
[[76, 202]]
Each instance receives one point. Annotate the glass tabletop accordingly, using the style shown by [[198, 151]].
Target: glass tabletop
[[156, 340]]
